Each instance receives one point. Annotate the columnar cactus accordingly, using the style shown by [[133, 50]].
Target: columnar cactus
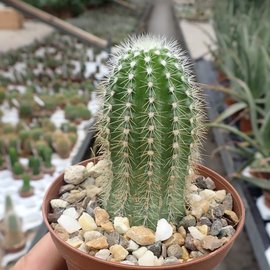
[[149, 131]]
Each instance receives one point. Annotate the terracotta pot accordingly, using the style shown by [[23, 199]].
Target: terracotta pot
[[77, 260]]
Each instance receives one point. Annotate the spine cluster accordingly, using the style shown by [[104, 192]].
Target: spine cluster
[[149, 130]]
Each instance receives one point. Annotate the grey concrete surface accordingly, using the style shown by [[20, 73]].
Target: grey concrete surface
[[14, 39]]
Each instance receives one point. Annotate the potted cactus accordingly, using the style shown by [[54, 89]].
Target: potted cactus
[[26, 190], [150, 207], [13, 156], [17, 170], [46, 155], [14, 239], [35, 165], [62, 144]]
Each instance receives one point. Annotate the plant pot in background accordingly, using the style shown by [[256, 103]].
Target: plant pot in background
[[77, 260]]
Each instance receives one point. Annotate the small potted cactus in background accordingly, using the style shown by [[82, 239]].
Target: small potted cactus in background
[[145, 201], [35, 166], [14, 239], [26, 190], [46, 154], [17, 170], [13, 156], [62, 144]]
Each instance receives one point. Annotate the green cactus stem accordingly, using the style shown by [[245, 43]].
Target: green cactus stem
[[149, 131], [35, 165], [13, 156], [17, 169]]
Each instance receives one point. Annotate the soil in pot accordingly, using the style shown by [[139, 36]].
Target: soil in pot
[[80, 225]]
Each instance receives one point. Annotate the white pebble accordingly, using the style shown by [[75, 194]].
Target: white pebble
[[98, 168], [208, 194], [195, 233], [58, 203], [70, 224], [128, 263], [164, 230], [158, 261], [91, 235], [103, 254], [220, 195], [147, 259], [71, 212], [121, 224], [139, 252], [75, 174], [89, 166], [132, 246]]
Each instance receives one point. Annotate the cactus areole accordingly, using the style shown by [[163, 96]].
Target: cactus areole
[[149, 131]]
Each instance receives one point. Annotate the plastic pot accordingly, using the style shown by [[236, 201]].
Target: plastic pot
[[77, 260]]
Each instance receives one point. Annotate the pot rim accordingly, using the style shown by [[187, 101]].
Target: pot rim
[[236, 198]]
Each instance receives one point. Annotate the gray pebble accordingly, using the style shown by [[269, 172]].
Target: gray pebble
[[195, 254], [85, 202], [188, 221], [65, 188], [189, 243], [163, 251], [205, 183], [132, 259], [228, 202], [224, 222], [170, 260], [90, 207], [216, 228], [156, 248], [123, 242], [205, 221], [218, 211], [113, 238], [175, 251], [227, 231]]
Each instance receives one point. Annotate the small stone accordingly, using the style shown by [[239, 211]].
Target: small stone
[[113, 238], [147, 259], [141, 235], [65, 188], [228, 202], [103, 254], [101, 216], [227, 231], [121, 224], [53, 217], [139, 252], [83, 247], [123, 242], [58, 203], [156, 248], [170, 260], [174, 250], [61, 232], [218, 211], [182, 231], [224, 222], [185, 254], [205, 183], [75, 242], [75, 174], [203, 229], [92, 252], [195, 254], [176, 238], [132, 259], [205, 221], [164, 230], [71, 212], [188, 221], [158, 261], [89, 166], [74, 196], [231, 216], [220, 195], [87, 222], [198, 208], [89, 181], [195, 233], [118, 252], [212, 242], [132, 246], [91, 235], [208, 194], [215, 228], [163, 251], [90, 207], [98, 243], [189, 243], [70, 224], [198, 245], [99, 168], [92, 191], [107, 227]]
